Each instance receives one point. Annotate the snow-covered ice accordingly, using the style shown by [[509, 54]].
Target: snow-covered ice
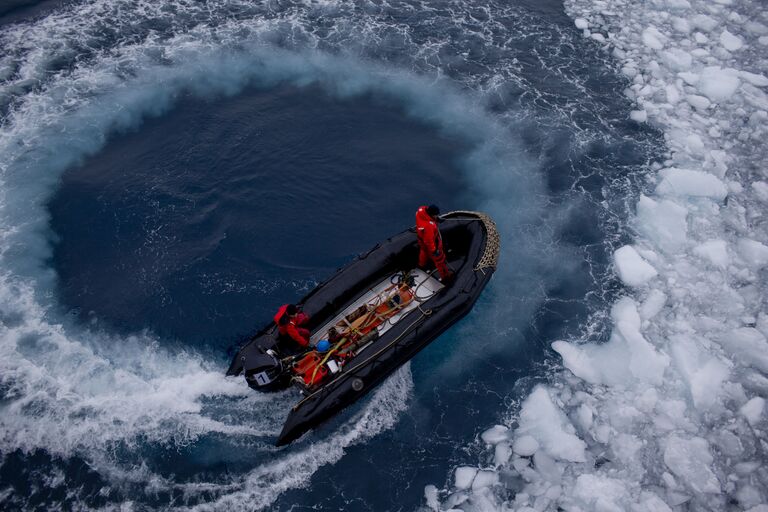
[[632, 269], [669, 413]]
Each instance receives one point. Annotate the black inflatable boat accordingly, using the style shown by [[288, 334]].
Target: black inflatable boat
[[374, 314]]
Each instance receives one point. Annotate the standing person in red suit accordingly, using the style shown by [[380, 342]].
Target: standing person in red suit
[[430, 241], [289, 321]]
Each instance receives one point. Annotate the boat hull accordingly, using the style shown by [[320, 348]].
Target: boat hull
[[472, 243]]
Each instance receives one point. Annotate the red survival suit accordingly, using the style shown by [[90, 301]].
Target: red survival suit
[[430, 242], [293, 328]]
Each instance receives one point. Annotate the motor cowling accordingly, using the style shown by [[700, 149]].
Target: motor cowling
[[263, 370]]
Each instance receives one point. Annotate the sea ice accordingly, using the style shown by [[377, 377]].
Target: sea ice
[[600, 493], [714, 251], [718, 84], [690, 460], [653, 304], [663, 222], [686, 182], [753, 410], [748, 345], [541, 419], [653, 39], [485, 478], [627, 356], [631, 268], [495, 434], [463, 477], [704, 23], [525, 446], [761, 190], [677, 59], [430, 495], [581, 23], [501, 454], [754, 79], [730, 42], [699, 102], [754, 253], [640, 116], [679, 388], [704, 374]]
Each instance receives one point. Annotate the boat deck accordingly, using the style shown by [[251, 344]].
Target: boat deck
[[425, 287]]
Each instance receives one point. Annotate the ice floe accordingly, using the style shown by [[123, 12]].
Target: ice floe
[[669, 412]]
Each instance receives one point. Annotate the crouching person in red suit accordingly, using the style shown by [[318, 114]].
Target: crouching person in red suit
[[430, 241], [289, 321]]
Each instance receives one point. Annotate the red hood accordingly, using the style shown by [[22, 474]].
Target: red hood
[[422, 217]]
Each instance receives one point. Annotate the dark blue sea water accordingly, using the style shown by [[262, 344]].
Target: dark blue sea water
[[175, 171]]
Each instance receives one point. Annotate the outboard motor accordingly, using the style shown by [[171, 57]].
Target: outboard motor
[[263, 370]]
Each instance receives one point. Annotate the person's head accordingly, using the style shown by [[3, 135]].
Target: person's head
[[433, 211], [323, 346], [290, 312]]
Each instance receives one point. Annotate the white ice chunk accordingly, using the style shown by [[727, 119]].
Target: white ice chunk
[[698, 102], [704, 23], [625, 357], [730, 42], [748, 345], [525, 446], [676, 59], [689, 78], [672, 93], [760, 188], [678, 4], [718, 84], [753, 410], [547, 468], [430, 494], [584, 417], [495, 434], [485, 478], [754, 79], [694, 144], [651, 503], [755, 27], [663, 222], [653, 304], [690, 460], [686, 182], [631, 268], [681, 25], [600, 493], [714, 251], [640, 116], [581, 23], [753, 252], [703, 374], [502, 452], [463, 477], [541, 419], [653, 39]]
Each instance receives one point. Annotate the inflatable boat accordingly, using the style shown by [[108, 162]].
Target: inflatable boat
[[369, 318]]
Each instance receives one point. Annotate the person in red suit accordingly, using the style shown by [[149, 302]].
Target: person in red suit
[[430, 241], [289, 321]]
